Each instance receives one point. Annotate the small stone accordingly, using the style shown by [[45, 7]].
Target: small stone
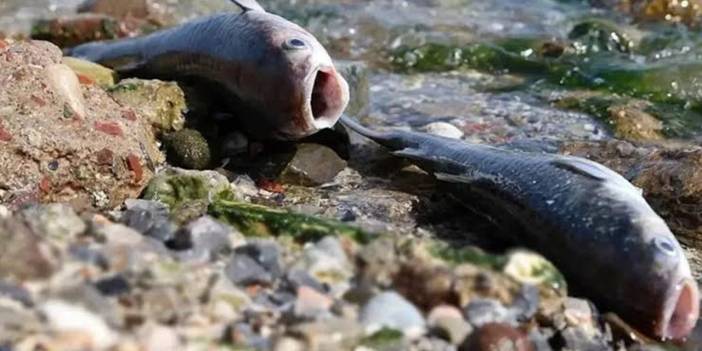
[[226, 301], [89, 298], [150, 218], [54, 221], [154, 337], [483, 311], [15, 292], [526, 303], [67, 318], [328, 334], [243, 270], [391, 310], [496, 336], [23, 254], [289, 344], [66, 85], [446, 130], [447, 322], [531, 268], [312, 165], [242, 334], [113, 286], [295, 278], [204, 239], [266, 253], [187, 148], [310, 303], [326, 260]]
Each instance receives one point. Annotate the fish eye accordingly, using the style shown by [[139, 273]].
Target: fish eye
[[665, 245], [295, 44]]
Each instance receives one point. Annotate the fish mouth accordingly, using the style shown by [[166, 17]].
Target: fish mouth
[[327, 100], [681, 313]]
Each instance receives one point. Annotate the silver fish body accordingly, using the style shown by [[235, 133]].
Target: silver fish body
[[279, 76], [588, 220]]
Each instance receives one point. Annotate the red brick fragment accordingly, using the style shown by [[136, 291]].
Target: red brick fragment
[[129, 115], [270, 185], [134, 164], [111, 128], [85, 80], [105, 157], [4, 135], [39, 101], [45, 185]]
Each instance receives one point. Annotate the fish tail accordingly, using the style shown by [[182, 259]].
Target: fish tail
[[124, 51]]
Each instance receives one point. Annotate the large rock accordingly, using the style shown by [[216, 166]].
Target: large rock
[[61, 141]]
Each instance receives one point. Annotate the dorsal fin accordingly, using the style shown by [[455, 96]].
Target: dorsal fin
[[249, 5]]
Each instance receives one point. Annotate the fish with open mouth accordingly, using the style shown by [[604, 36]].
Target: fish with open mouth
[[277, 77], [593, 224]]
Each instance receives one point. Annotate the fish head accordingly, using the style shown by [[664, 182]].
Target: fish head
[[307, 92], [662, 296]]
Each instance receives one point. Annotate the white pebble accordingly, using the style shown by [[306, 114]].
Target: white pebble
[[444, 129]]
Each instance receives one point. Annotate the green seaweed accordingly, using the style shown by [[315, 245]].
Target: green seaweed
[[258, 220], [467, 254], [174, 191]]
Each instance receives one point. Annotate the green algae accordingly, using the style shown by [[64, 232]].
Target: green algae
[[385, 338], [258, 220]]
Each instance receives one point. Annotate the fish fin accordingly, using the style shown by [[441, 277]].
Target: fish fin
[[454, 178], [585, 167], [249, 5]]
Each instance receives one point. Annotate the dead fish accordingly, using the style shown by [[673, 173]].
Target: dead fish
[[589, 221], [275, 74]]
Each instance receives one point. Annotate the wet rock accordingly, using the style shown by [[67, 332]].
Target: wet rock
[[16, 322], [448, 323], [526, 303], [264, 252], [137, 9], [161, 103], [150, 218], [90, 73], [495, 336], [597, 35], [312, 165], [686, 12], [187, 148], [245, 270], [485, 311], [443, 129], [113, 286], [531, 268], [204, 239], [67, 318], [24, 254], [391, 310], [225, 301], [90, 299], [66, 142], [575, 338], [356, 75]]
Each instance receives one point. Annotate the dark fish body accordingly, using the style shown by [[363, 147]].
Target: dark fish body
[[585, 218], [265, 65]]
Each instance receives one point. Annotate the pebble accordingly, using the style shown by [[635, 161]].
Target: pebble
[[310, 303], [447, 322], [154, 337], [243, 270], [66, 85], [391, 310], [150, 218], [56, 221], [295, 278], [16, 293], [64, 317], [497, 336], [327, 262], [204, 239], [312, 165], [443, 129], [526, 303], [24, 254], [328, 334], [480, 312], [266, 253], [113, 286]]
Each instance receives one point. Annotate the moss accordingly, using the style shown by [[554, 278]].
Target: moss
[[257, 220], [174, 191]]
